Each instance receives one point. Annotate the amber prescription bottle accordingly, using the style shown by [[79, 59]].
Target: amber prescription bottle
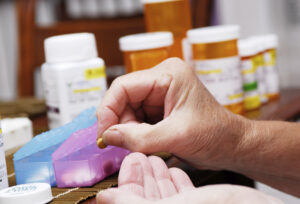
[[247, 51], [170, 15], [216, 60], [145, 50]]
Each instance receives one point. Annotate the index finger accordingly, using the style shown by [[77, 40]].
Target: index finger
[[127, 89]]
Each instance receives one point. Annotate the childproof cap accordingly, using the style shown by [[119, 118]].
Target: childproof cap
[[32, 193], [70, 48]]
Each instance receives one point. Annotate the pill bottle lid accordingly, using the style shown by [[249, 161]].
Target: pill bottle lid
[[70, 47], [268, 41], [155, 1], [213, 34], [33, 193], [247, 48], [146, 41]]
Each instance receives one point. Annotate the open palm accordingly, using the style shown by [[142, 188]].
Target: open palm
[[148, 180]]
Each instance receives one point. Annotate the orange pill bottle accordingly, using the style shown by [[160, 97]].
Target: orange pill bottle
[[170, 15], [216, 61], [145, 50]]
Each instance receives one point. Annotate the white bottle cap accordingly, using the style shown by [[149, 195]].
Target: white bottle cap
[[247, 48], [32, 193], [70, 47], [269, 41], [260, 42], [146, 41], [213, 34]]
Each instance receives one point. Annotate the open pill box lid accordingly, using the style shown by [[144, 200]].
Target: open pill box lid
[[58, 135], [33, 162], [34, 193]]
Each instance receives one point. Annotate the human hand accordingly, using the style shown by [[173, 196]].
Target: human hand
[[167, 108], [148, 180]]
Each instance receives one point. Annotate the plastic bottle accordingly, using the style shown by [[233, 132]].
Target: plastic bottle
[[216, 61], [247, 51], [169, 15], [16, 132], [260, 67], [145, 50], [3, 170], [270, 60], [73, 76]]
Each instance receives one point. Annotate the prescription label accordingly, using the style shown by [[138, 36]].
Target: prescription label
[[95, 73], [222, 78], [250, 84], [71, 90], [3, 171], [271, 72], [83, 88], [261, 76], [51, 92]]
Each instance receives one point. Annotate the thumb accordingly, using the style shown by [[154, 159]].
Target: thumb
[[117, 196], [139, 137]]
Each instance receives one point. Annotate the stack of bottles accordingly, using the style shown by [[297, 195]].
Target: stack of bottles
[[241, 76]]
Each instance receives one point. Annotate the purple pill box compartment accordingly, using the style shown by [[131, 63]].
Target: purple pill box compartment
[[78, 162]]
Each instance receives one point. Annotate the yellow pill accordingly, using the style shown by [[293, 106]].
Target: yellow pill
[[100, 143]]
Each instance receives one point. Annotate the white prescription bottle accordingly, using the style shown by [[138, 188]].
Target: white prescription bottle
[[3, 170], [73, 76], [270, 60], [248, 52], [260, 67]]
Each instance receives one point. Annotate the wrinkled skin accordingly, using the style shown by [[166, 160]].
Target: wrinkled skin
[[167, 109]]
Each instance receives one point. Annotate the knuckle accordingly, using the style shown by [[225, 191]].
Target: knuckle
[[117, 81]]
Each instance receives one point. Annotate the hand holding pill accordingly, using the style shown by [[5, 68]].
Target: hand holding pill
[[167, 108]]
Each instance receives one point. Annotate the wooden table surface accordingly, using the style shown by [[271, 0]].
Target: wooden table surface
[[286, 108]]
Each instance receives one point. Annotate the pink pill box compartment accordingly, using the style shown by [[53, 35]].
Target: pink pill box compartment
[[78, 162]]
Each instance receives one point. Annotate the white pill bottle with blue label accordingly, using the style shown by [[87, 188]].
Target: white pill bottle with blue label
[[3, 170], [73, 76]]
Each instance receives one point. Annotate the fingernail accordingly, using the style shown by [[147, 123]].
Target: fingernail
[[112, 136]]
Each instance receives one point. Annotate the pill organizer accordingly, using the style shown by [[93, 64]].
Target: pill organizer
[[33, 161], [79, 162]]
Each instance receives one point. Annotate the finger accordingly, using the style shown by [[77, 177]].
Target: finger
[[131, 88], [140, 137], [181, 180], [131, 176], [118, 196], [127, 116], [151, 191], [162, 177], [152, 106]]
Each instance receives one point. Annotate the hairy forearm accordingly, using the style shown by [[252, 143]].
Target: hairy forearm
[[270, 152]]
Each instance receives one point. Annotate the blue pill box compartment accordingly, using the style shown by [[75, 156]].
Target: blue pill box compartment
[[33, 162]]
